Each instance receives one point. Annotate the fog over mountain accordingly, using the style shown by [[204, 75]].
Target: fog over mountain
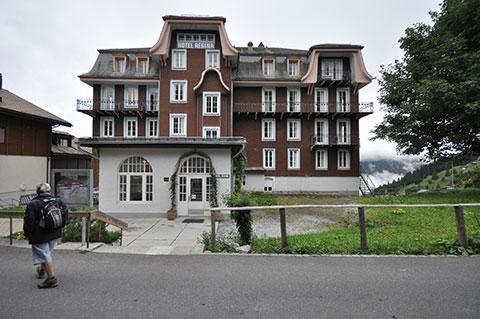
[[383, 171]]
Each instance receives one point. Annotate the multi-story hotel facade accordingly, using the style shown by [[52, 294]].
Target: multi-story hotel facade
[[169, 120]]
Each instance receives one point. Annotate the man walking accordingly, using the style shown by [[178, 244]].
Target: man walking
[[42, 239]]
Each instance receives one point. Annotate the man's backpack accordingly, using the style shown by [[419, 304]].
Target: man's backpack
[[53, 216]]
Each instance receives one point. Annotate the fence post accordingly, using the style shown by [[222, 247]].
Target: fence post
[[88, 230], [214, 241], [84, 230], [363, 229], [283, 228], [11, 230], [121, 236], [461, 229]]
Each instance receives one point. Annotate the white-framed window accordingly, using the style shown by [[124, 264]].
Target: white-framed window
[[268, 67], [321, 159], [152, 98], [269, 158], [211, 132], [130, 127], [179, 59], [135, 180], [107, 127], [63, 142], [268, 184], [294, 130], [268, 129], [142, 64], [107, 100], [293, 158], [119, 64], [293, 67], [178, 124], [293, 100], [343, 159], [321, 131], [268, 99], [178, 91], [212, 59], [332, 69], [131, 96], [151, 127], [343, 131], [211, 103], [321, 99], [343, 99]]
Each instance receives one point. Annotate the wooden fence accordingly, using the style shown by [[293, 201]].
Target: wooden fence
[[461, 229], [86, 222]]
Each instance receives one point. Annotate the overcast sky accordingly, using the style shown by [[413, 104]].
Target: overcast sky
[[45, 45]]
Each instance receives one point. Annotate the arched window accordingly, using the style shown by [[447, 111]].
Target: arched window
[[195, 165], [135, 180]]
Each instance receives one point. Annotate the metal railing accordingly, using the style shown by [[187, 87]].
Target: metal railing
[[461, 228], [86, 226], [109, 105], [335, 75], [330, 140], [303, 107]]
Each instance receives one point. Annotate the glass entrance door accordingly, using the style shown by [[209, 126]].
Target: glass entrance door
[[196, 189]]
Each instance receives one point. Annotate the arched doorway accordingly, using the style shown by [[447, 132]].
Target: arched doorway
[[194, 186]]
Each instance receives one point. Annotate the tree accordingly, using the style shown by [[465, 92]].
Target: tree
[[432, 96]]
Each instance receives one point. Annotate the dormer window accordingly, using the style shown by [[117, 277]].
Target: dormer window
[[119, 63], [268, 66], [293, 67], [143, 63], [332, 69]]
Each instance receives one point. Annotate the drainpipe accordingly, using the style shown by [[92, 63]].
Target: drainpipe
[[158, 96]]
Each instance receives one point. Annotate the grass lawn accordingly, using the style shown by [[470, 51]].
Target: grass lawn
[[421, 231]]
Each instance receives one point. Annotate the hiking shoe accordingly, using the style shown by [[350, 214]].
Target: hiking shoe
[[40, 272], [49, 283]]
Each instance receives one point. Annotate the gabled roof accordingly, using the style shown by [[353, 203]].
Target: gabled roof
[[15, 105]]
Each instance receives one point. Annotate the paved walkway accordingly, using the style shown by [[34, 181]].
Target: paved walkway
[[147, 236]]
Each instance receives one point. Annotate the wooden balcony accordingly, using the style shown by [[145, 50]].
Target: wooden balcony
[[109, 107], [328, 140]]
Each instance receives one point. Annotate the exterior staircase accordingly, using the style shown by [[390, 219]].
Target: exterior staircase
[[367, 188]]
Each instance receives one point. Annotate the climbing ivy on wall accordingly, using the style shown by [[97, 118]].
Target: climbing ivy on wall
[[240, 163]]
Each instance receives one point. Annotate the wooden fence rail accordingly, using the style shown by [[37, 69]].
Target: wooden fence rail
[[461, 229], [88, 215]]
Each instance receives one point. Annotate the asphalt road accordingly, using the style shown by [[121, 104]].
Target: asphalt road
[[95, 285]]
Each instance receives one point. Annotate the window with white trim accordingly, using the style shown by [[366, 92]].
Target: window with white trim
[[293, 100], [343, 99], [178, 124], [152, 98], [179, 59], [292, 67], [321, 99], [268, 67], [212, 59], [107, 100], [332, 69], [293, 130], [343, 159], [151, 127], [321, 159], [178, 91], [293, 158], [107, 127], [211, 132], [131, 96], [321, 131], [130, 127], [268, 129], [343, 131], [269, 158], [120, 62], [211, 103], [143, 65], [135, 180], [268, 99]]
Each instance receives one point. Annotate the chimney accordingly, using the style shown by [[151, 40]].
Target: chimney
[[250, 45]]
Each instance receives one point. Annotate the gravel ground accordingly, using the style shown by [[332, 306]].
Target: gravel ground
[[299, 221]]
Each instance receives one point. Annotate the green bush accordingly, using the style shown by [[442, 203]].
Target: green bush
[[243, 218], [72, 232]]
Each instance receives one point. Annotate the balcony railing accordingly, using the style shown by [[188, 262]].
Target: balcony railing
[[109, 105], [335, 75], [334, 140], [303, 107]]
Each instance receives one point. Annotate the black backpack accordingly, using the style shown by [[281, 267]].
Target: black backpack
[[52, 215]]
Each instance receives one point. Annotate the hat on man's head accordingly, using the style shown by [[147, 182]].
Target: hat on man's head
[[43, 188]]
